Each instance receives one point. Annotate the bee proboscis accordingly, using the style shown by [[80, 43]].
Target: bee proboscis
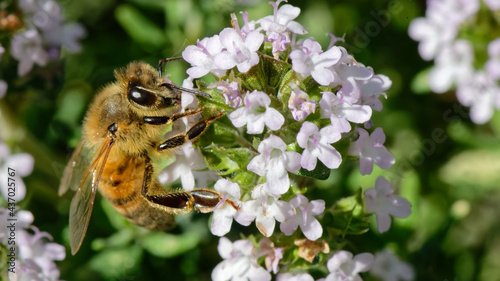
[[123, 131]]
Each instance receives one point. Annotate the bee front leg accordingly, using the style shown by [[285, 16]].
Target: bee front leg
[[166, 120], [194, 132]]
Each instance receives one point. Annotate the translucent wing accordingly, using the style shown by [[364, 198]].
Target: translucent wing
[[86, 185], [74, 170]]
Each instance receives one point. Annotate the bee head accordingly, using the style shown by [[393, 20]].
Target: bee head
[[145, 88]]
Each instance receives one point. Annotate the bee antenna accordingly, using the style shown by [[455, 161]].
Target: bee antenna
[[171, 85], [164, 61]]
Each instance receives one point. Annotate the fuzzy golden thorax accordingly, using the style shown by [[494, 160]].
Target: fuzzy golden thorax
[[138, 92]]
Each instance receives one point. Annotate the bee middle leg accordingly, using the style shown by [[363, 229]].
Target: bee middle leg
[[194, 132]]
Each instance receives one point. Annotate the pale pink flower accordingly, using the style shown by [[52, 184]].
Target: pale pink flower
[[239, 262], [341, 111], [265, 209], [223, 214], [257, 113], [317, 145], [303, 216], [239, 52], [388, 267], [343, 266], [371, 150], [275, 162], [381, 201]]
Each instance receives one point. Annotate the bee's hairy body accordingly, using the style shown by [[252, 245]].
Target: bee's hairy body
[[123, 175], [122, 131]]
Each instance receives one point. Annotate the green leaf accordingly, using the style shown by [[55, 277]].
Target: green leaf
[[274, 70], [245, 179], [114, 263], [167, 245], [139, 27], [321, 172], [227, 161], [347, 217], [420, 83], [265, 76], [477, 169]]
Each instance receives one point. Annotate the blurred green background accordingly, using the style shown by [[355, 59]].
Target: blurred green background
[[446, 166]]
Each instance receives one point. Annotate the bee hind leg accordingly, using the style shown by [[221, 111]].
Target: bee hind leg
[[202, 200]]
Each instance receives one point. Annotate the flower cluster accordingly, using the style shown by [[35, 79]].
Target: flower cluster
[[290, 105], [35, 256], [40, 33], [448, 34]]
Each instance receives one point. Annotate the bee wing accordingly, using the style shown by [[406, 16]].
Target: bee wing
[[83, 200], [74, 170]]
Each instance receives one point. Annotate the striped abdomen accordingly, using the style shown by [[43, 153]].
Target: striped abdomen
[[122, 182]]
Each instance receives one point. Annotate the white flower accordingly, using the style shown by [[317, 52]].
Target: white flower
[[453, 65], [239, 52], [433, 32], [296, 277], [381, 201], [282, 19], [316, 144], [388, 267], [256, 113], [223, 214], [341, 111], [300, 104], [27, 48], [265, 209], [492, 66], [343, 266], [440, 25], [34, 255], [239, 262], [303, 216], [494, 5], [373, 88], [311, 60], [23, 220], [273, 254], [187, 160], [66, 35], [274, 162], [371, 150], [347, 72], [20, 164], [230, 91], [201, 57], [482, 94], [35, 248]]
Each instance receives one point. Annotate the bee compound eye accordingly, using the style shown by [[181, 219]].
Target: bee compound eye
[[141, 96]]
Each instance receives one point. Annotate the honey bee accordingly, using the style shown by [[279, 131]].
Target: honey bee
[[122, 132]]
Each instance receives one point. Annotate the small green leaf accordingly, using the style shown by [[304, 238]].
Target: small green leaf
[[347, 217], [227, 161], [114, 263], [245, 179], [274, 70], [254, 79], [420, 83], [167, 245], [321, 172]]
